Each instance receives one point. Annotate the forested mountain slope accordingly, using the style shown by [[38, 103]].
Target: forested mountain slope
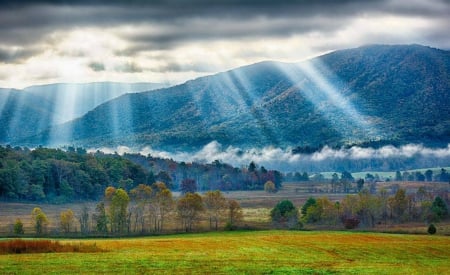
[[395, 94]]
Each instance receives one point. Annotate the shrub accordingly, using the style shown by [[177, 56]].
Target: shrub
[[351, 223], [431, 229]]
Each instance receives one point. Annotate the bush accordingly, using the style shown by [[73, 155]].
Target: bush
[[431, 229], [229, 227], [350, 223]]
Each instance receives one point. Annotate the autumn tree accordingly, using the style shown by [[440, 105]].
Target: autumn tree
[[40, 220], [118, 211], [66, 220], [269, 187], [189, 207], [235, 214], [163, 203], [215, 205], [326, 211], [141, 196], [368, 208]]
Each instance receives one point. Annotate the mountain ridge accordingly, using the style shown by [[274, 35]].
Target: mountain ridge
[[376, 92], [33, 109]]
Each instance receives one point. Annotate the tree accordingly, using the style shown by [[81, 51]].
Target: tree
[[429, 175], [66, 220], [419, 176], [311, 201], [189, 207], [164, 204], [188, 186], [439, 209], [334, 182], [400, 203], [368, 208], [101, 219], [18, 227], [141, 196], [215, 205], [234, 214], [118, 211], [84, 220], [360, 184], [269, 187], [284, 214], [40, 220], [346, 180], [398, 176]]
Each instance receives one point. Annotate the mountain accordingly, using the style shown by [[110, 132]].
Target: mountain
[[382, 93], [72, 100], [36, 108], [22, 115]]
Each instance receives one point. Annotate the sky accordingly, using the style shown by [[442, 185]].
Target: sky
[[173, 41]]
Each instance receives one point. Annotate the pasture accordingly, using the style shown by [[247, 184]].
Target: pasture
[[260, 252]]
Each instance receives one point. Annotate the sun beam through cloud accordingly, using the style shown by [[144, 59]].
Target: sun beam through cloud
[[325, 90]]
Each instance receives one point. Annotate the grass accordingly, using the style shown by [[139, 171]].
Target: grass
[[19, 246], [262, 252]]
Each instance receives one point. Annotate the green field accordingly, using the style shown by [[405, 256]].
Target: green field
[[262, 252]]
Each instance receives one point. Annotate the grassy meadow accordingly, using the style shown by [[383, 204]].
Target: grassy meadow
[[258, 252]]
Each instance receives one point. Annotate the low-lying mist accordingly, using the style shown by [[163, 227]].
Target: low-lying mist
[[386, 158]]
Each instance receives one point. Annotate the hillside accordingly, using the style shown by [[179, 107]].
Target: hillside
[[392, 93], [22, 114], [36, 108]]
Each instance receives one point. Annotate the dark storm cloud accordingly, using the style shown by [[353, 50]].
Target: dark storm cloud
[[176, 21], [11, 55]]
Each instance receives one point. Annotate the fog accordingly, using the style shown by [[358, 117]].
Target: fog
[[354, 158]]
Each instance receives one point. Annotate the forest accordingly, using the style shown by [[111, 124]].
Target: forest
[[58, 176]]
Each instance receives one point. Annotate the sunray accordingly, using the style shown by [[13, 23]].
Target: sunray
[[322, 88]]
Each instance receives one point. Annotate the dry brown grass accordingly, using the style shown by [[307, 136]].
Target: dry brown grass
[[20, 246]]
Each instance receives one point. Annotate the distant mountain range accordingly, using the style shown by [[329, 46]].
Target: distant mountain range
[[378, 93], [34, 109]]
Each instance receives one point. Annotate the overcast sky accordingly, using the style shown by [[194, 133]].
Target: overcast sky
[[176, 40]]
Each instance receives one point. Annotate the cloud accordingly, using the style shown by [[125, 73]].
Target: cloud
[[283, 159], [96, 66], [233, 32], [15, 55], [129, 67]]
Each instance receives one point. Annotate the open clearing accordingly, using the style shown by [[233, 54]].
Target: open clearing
[[279, 252]]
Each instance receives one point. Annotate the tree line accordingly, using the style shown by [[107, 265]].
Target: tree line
[[58, 176], [364, 210], [146, 209]]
